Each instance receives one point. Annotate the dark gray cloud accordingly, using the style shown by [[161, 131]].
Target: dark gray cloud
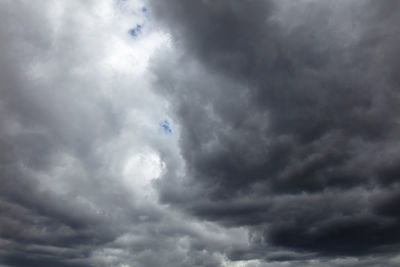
[[289, 121]]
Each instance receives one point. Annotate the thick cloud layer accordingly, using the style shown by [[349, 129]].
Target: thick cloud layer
[[289, 116], [199, 133]]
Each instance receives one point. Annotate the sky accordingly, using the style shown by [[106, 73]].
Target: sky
[[217, 133]]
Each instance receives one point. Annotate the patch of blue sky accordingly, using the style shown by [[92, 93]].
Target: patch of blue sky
[[165, 127], [135, 31], [145, 11]]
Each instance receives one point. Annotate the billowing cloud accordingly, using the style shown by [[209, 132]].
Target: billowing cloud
[[199, 133], [81, 146], [289, 122]]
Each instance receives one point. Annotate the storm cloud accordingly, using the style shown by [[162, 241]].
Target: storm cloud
[[289, 115], [199, 133]]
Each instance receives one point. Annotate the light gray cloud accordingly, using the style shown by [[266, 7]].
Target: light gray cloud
[[81, 144]]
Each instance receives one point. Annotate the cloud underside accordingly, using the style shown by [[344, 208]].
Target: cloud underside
[[289, 116], [221, 133]]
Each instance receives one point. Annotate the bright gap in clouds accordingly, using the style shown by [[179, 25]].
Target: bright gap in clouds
[[131, 55], [141, 169], [129, 50]]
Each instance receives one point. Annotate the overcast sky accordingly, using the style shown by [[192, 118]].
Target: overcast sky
[[179, 133]]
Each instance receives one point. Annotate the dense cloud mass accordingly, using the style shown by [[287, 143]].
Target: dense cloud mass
[[289, 115], [249, 133]]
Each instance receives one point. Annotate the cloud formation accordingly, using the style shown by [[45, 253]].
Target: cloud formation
[[199, 133], [289, 117], [80, 143]]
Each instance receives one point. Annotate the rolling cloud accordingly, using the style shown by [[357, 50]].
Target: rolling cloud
[[199, 133]]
